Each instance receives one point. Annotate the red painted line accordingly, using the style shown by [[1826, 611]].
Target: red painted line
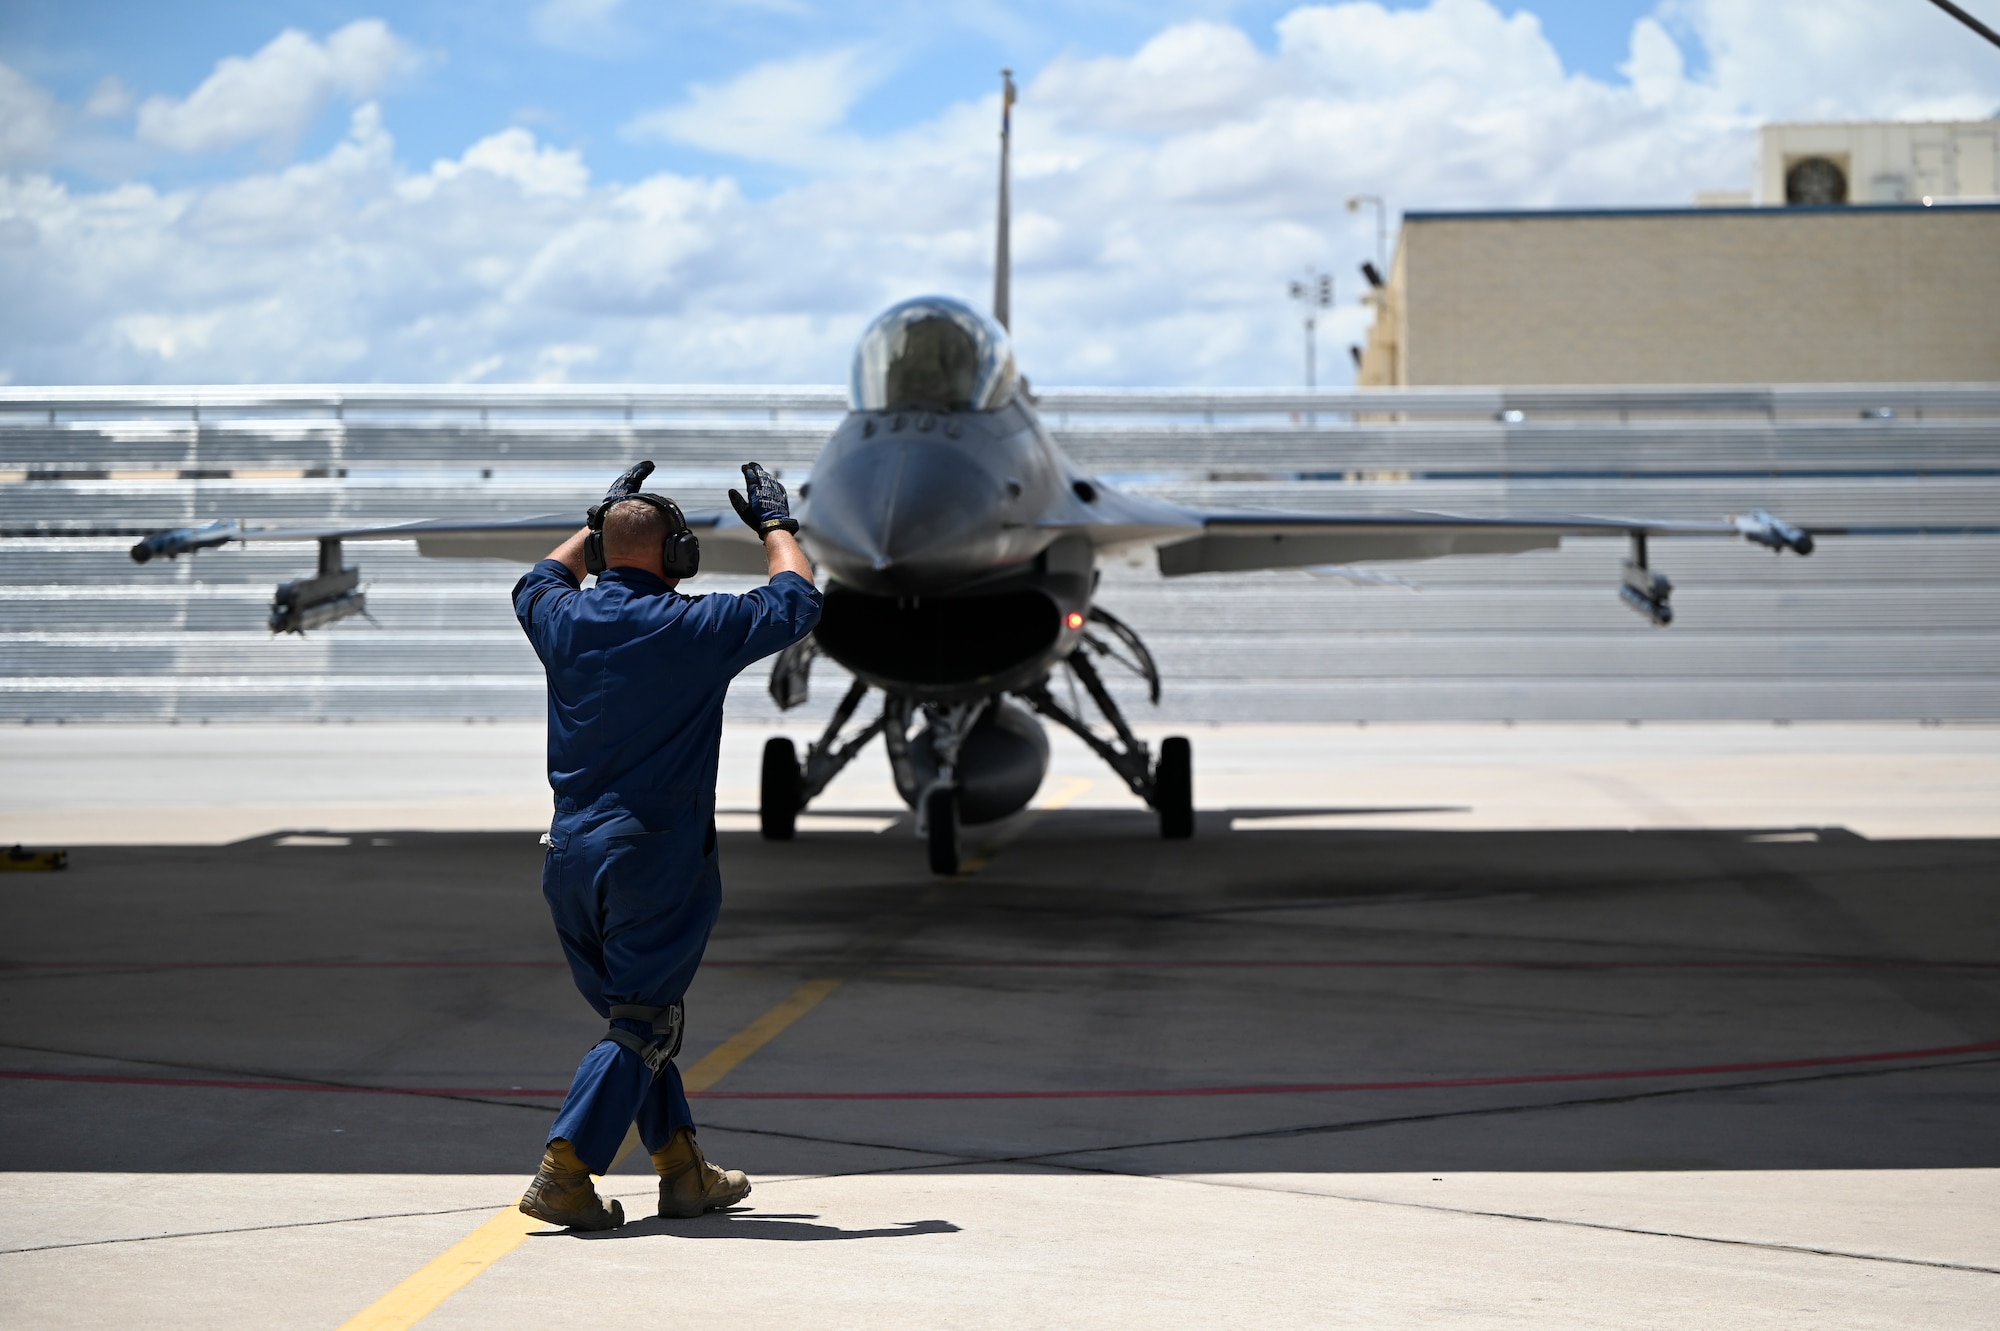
[[1416, 1084], [1857, 963], [1295, 1088], [1853, 963], [278, 965]]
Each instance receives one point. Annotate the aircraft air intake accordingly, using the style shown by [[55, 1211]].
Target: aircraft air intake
[[941, 646]]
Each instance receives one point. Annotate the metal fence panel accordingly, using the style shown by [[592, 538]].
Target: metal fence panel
[[1900, 620]]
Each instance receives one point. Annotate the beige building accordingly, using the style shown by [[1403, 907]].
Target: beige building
[[1866, 252], [1692, 296]]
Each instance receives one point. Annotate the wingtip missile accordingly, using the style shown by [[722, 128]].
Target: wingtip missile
[[1770, 530], [179, 541]]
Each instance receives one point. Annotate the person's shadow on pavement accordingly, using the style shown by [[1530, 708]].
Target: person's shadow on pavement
[[744, 1224]]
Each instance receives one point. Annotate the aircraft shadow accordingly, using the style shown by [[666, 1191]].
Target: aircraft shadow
[[1091, 998]]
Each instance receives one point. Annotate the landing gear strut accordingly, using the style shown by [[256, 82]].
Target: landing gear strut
[[936, 803], [1168, 785]]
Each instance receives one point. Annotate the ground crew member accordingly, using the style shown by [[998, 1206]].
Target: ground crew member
[[637, 673]]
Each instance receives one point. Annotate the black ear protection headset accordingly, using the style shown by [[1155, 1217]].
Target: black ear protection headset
[[680, 556]]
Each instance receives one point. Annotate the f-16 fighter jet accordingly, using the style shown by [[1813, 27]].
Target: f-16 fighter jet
[[958, 547]]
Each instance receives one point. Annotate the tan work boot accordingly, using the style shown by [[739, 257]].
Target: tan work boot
[[563, 1194], [689, 1184]]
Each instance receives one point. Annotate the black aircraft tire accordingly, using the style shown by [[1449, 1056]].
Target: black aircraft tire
[[1173, 788], [778, 792], [941, 821]]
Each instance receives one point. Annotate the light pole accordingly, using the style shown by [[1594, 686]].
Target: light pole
[[1354, 202], [1316, 294]]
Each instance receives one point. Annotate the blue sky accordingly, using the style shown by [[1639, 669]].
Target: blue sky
[[618, 190], [578, 82]]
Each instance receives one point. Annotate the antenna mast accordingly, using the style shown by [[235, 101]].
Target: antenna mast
[[1002, 260]]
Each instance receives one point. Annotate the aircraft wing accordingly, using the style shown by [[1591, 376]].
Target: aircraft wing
[[1236, 541], [727, 546]]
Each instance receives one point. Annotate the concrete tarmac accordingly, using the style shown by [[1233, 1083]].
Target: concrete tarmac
[[161, 785], [1313, 1068]]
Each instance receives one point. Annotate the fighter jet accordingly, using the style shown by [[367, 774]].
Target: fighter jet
[[959, 548]]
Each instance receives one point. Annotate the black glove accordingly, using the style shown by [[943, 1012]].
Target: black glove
[[629, 484], [767, 509]]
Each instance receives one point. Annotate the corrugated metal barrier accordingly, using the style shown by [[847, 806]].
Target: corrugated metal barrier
[[1898, 620]]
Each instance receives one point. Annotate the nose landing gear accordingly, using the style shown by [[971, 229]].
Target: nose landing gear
[[941, 830]]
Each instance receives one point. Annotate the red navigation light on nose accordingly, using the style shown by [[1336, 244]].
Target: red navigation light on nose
[[1075, 620]]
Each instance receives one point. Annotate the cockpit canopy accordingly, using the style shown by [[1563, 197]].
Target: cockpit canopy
[[936, 353]]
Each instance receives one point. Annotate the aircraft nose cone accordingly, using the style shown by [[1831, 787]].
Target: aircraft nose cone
[[904, 511]]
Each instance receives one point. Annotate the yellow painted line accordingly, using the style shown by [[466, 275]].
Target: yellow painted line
[[416, 1298], [720, 1061], [1076, 789]]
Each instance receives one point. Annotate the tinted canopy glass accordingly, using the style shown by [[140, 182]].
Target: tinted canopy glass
[[932, 352]]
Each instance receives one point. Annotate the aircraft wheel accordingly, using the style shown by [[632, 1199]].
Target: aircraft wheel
[[941, 818], [778, 793], [1173, 788]]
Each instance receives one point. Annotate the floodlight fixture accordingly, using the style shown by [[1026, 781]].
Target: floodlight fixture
[[1375, 201], [1315, 293]]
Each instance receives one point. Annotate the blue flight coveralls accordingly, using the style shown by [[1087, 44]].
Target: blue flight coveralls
[[637, 674]]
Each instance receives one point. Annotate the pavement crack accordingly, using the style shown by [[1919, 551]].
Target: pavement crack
[[1576, 1102], [1805, 1249], [1063, 1159], [247, 1229], [224, 1071], [951, 1156]]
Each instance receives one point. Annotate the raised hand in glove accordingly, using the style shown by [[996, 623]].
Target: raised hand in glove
[[629, 484], [623, 488], [767, 509]]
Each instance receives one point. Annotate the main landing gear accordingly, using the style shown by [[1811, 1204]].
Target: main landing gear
[[789, 785], [1168, 784], [981, 760]]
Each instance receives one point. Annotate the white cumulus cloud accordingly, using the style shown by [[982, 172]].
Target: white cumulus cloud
[[276, 94], [29, 123], [109, 98], [1163, 199], [589, 27], [1846, 59], [782, 111], [514, 155]]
